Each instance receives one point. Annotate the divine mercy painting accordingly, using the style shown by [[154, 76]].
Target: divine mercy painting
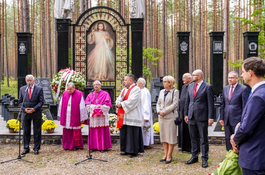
[[101, 52]]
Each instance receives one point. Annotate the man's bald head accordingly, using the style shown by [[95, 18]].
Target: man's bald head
[[197, 76]]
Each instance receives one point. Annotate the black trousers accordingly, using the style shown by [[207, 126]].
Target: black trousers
[[131, 139], [229, 130], [253, 172], [184, 141], [199, 131], [36, 131]]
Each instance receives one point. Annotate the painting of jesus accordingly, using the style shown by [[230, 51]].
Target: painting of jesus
[[101, 51]]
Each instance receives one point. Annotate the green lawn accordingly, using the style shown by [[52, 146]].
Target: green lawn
[[12, 89]]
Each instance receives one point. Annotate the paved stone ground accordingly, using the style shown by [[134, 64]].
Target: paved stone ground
[[54, 160]]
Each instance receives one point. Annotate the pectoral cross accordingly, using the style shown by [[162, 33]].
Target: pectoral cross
[[96, 97], [69, 104]]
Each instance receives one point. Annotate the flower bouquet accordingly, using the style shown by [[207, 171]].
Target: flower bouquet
[[48, 126], [112, 118], [44, 118], [156, 127], [65, 76], [13, 125]]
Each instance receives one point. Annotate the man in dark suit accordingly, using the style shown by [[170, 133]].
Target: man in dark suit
[[31, 111], [249, 137], [199, 108], [234, 99], [184, 141]]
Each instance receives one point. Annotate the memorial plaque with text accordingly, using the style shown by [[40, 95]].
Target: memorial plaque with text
[[47, 91]]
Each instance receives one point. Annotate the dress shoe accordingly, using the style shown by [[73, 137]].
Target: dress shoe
[[204, 164], [36, 152], [192, 160], [162, 160], [123, 154], [25, 152], [167, 162], [133, 155]]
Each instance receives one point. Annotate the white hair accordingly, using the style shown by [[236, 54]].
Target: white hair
[[97, 81], [29, 76], [187, 74], [71, 84], [233, 72], [142, 80]]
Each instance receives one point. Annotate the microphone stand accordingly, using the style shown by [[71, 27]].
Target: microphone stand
[[89, 156], [19, 136]]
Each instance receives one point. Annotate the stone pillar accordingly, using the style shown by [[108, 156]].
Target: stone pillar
[[216, 61], [183, 55], [137, 46], [24, 43], [250, 44], [63, 37]]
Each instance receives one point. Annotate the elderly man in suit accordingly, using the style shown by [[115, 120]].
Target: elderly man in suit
[[33, 101], [199, 108], [234, 98], [184, 141], [249, 138]]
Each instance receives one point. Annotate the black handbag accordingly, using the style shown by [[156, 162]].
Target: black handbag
[[178, 120]]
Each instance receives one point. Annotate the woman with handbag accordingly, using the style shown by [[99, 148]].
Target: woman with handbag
[[166, 108]]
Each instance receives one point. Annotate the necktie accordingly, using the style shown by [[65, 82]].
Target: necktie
[[249, 95], [195, 90], [231, 92], [30, 93]]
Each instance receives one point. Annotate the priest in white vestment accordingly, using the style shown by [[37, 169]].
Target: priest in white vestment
[[148, 136], [130, 120], [72, 113]]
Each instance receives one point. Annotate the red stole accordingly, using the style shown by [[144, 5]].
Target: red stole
[[120, 114]]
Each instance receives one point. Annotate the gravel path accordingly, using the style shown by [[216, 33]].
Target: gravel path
[[54, 160]]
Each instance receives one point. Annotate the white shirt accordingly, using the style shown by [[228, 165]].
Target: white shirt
[[32, 87], [257, 85], [198, 86], [234, 86]]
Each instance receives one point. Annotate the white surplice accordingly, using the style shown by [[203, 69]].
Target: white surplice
[[132, 107], [83, 112], [148, 136]]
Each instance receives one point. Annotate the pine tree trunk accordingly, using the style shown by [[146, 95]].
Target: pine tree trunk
[[2, 40], [44, 49], [191, 38], [15, 40], [214, 15], [49, 49], [6, 47], [55, 45], [26, 16], [21, 16], [226, 40], [200, 34]]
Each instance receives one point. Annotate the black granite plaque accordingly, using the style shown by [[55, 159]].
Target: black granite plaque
[[47, 91]]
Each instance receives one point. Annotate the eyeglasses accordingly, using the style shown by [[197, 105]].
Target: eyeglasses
[[194, 75], [96, 84], [231, 77], [165, 81]]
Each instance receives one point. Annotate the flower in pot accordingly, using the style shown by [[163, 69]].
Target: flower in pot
[[13, 125], [156, 127], [48, 126], [112, 119]]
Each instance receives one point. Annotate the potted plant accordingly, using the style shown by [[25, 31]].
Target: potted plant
[[48, 126], [156, 127], [112, 120], [13, 125]]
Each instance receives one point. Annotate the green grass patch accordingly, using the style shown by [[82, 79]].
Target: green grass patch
[[11, 90]]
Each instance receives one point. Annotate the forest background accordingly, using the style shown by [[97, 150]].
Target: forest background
[[164, 18]]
